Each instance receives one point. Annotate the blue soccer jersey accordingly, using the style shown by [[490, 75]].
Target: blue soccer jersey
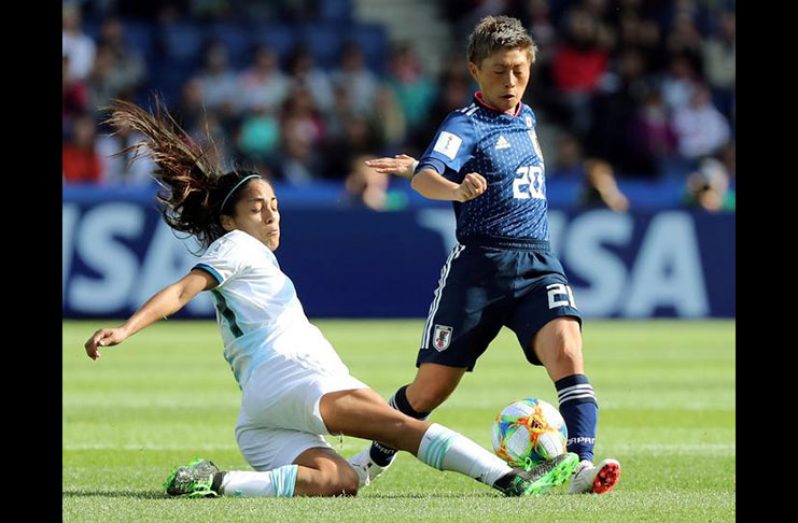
[[504, 149]]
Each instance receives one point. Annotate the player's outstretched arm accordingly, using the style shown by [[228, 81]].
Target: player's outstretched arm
[[400, 165], [166, 302], [432, 185]]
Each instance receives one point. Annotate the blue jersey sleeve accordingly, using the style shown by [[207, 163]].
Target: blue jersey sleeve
[[452, 147]]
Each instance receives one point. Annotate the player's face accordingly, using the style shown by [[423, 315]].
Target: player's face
[[256, 213], [503, 77]]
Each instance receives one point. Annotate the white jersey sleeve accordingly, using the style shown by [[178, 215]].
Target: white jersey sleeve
[[222, 260], [260, 318]]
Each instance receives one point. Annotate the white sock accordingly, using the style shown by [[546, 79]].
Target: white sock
[[445, 449], [277, 482]]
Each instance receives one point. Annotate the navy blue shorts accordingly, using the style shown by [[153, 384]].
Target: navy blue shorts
[[482, 288]]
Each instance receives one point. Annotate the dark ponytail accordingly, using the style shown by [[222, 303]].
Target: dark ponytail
[[194, 186]]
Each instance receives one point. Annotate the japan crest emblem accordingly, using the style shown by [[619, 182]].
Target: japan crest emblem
[[442, 337]]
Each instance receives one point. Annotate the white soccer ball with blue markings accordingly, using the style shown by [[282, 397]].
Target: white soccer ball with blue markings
[[529, 432]]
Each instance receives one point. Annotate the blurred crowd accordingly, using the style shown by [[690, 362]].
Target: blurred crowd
[[622, 88]]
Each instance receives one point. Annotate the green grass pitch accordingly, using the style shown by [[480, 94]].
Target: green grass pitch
[[666, 393]]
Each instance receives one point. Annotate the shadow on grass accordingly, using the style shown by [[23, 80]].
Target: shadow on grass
[[161, 495], [115, 494], [454, 495]]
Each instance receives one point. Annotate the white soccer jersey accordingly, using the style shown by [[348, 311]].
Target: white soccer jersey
[[258, 312]]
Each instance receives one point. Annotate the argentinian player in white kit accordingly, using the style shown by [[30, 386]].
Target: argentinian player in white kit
[[295, 387], [282, 362]]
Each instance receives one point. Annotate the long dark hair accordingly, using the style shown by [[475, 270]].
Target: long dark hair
[[194, 186]]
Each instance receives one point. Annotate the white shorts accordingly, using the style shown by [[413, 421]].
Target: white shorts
[[279, 417]]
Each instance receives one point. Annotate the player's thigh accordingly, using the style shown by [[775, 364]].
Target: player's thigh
[[363, 413], [549, 300], [292, 402], [267, 448], [468, 308]]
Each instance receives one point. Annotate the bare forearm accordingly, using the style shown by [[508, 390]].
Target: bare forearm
[[164, 304], [432, 185]]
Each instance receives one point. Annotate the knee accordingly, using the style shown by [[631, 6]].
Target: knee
[[560, 351], [569, 354], [347, 483], [342, 481]]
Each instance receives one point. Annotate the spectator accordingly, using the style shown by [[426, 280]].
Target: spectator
[[684, 37], [128, 70], [653, 136], [607, 86], [412, 88], [579, 63], [218, 82], [303, 133], [700, 128], [74, 95], [117, 165], [190, 111], [389, 119], [708, 188], [611, 135], [102, 84], [679, 82], [719, 60], [75, 43], [359, 138], [259, 136], [542, 30], [79, 159], [568, 159], [353, 76], [263, 84], [366, 186], [305, 75], [600, 187]]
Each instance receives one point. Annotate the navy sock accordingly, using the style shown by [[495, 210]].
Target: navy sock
[[380, 453], [579, 409]]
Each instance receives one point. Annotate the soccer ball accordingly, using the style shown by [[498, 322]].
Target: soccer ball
[[529, 432]]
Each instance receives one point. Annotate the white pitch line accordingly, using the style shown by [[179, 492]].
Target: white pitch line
[[713, 449], [182, 447]]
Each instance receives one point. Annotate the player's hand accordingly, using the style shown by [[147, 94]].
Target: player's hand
[[473, 185], [400, 165], [104, 338]]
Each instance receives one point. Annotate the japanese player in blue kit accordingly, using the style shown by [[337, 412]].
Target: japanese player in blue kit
[[486, 158]]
